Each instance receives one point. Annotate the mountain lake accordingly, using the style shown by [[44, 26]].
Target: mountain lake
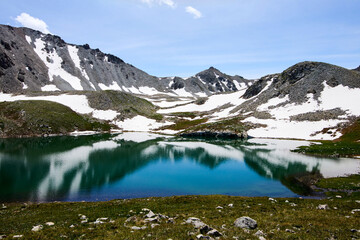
[[134, 165]]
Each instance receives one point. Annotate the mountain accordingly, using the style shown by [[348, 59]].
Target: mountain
[[357, 69], [310, 100], [33, 61]]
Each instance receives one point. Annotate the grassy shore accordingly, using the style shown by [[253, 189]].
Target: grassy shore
[[348, 145], [292, 218]]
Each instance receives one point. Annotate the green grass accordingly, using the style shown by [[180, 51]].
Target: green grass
[[34, 118], [347, 145], [184, 124], [342, 183], [234, 125], [184, 114], [273, 218], [126, 104]]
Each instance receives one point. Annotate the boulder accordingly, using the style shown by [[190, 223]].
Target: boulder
[[245, 222]]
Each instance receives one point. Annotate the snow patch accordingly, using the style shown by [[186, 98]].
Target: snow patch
[[53, 61], [149, 90], [291, 129], [213, 102], [113, 86], [49, 88], [341, 96], [73, 52], [28, 39]]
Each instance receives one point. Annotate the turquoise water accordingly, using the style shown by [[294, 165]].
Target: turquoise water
[[131, 165]]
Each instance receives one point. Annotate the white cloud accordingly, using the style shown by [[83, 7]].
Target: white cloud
[[196, 13], [170, 3], [31, 22]]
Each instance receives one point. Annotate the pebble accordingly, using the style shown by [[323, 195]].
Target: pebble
[[338, 196], [219, 207], [259, 233], [37, 228], [154, 225], [289, 230], [72, 226], [355, 210], [323, 207], [135, 228], [231, 205], [50, 224], [4, 207], [17, 236]]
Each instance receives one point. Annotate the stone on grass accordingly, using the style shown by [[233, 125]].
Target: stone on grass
[[200, 236], [17, 236], [231, 205], [259, 233], [154, 225], [355, 210], [135, 228], [37, 228], [214, 233], [323, 207], [219, 207], [289, 230], [83, 217], [2, 236], [151, 219], [196, 222], [245, 222], [205, 229], [49, 224], [150, 214], [131, 219]]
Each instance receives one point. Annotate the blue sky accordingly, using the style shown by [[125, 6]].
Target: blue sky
[[250, 38]]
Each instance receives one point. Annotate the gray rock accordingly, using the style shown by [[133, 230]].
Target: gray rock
[[150, 215], [323, 207], [214, 233], [49, 224], [197, 223], [136, 228], [205, 229], [245, 222]]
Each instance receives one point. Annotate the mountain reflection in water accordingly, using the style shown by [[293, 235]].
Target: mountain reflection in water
[[101, 167]]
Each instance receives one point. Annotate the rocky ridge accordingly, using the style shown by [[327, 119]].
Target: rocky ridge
[[33, 61]]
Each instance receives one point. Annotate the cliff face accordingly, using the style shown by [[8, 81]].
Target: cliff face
[[35, 61]]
